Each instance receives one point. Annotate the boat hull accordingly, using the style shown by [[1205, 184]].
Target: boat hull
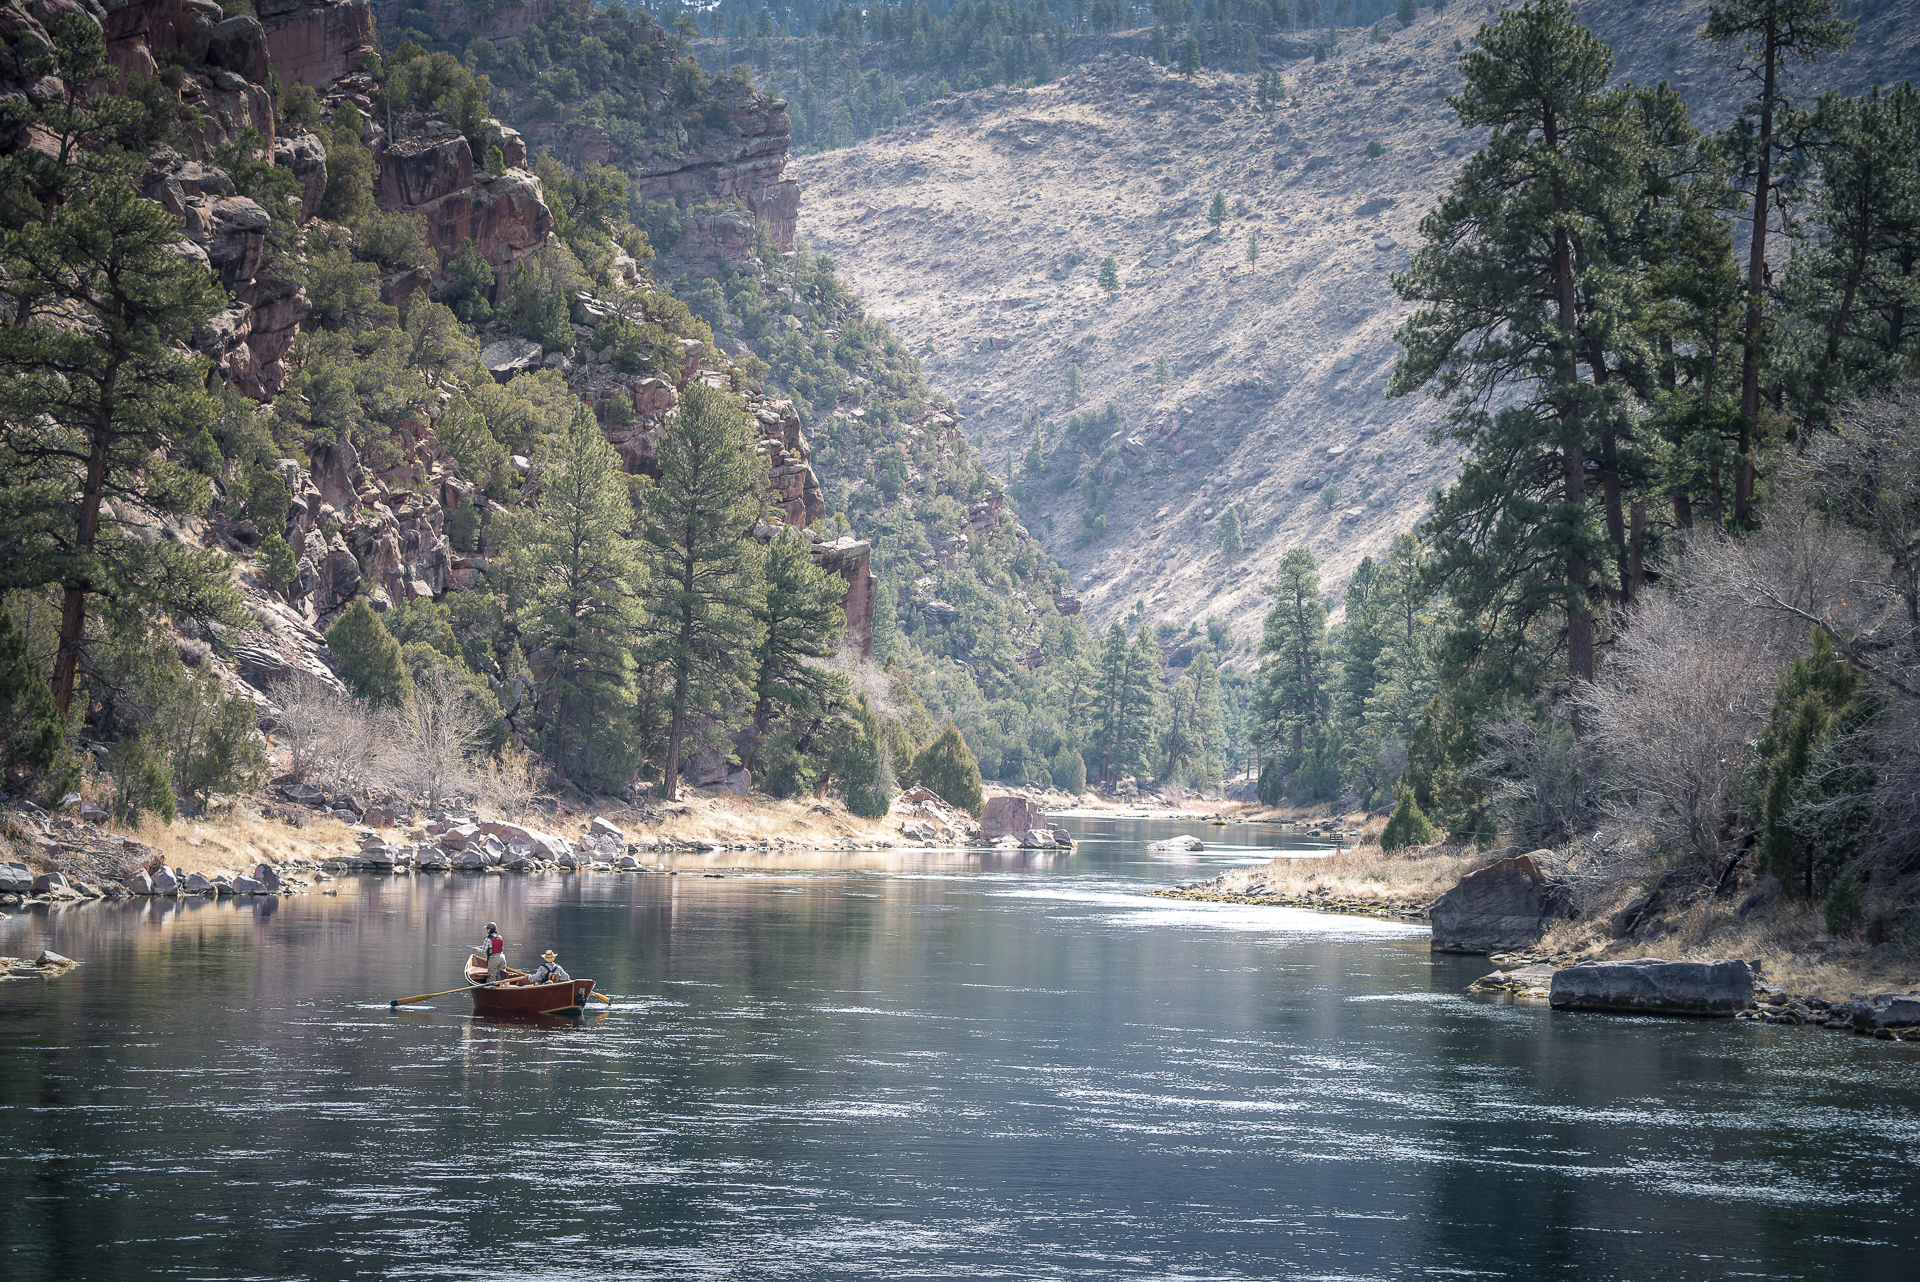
[[567, 998]]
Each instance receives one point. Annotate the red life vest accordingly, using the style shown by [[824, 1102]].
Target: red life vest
[[495, 944]]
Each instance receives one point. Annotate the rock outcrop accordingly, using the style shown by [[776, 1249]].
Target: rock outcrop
[[1651, 986], [1505, 905], [316, 42], [1019, 817]]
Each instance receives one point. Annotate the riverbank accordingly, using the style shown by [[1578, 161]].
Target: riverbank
[[1361, 880], [1802, 976]]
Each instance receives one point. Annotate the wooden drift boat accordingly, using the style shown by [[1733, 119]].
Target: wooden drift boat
[[515, 996]]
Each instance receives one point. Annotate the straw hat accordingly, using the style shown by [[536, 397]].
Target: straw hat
[[549, 955]]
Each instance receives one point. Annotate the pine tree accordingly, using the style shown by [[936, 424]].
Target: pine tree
[[1253, 248], [1227, 536], [947, 767], [1192, 739], [1769, 33], [1407, 826], [1190, 55], [1161, 373], [1126, 692], [1293, 648], [1507, 310], [1074, 387], [574, 571], [1406, 13], [801, 614], [368, 657], [1217, 210], [1109, 274], [33, 742], [99, 403], [1853, 284], [700, 627]]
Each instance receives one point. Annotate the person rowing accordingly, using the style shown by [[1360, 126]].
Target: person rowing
[[549, 970], [493, 950]]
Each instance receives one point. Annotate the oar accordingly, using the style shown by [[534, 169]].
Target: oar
[[408, 1001]]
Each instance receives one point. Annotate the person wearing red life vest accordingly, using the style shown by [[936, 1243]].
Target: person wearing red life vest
[[494, 949]]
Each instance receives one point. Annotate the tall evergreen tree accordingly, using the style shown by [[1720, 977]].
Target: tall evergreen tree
[[1508, 312], [1126, 691], [801, 614], [99, 404], [1854, 285], [574, 571], [1293, 648], [700, 626], [1769, 34]]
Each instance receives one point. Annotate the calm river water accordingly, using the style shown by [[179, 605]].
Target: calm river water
[[932, 1066]]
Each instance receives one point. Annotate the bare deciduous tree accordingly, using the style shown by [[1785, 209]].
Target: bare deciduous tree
[[333, 740], [1685, 691], [432, 741]]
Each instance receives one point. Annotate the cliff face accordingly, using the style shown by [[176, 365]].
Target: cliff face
[[976, 228], [316, 42]]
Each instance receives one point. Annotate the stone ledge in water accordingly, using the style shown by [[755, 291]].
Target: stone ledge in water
[[1651, 986], [1182, 842], [1533, 981]]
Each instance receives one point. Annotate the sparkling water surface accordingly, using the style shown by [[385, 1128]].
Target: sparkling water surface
[[903, 1065]]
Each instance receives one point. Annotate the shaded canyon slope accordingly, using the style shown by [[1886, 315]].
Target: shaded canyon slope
[[976, 228]]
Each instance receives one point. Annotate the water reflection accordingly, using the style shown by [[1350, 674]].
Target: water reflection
[[902, 1064]]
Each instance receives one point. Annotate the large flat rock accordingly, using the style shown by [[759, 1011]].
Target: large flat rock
[[1651, 986]]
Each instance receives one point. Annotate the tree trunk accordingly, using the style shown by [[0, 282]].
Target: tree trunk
[[73, 607], [1756, 283]]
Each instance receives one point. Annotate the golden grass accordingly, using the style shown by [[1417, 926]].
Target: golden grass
[[235, 839], [1361, 872], [1711, 930]]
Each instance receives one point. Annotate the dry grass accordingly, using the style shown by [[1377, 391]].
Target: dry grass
[[238, 840], [1711, 930], [1361, 872]]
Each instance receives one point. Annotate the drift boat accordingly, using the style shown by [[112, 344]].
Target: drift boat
[[516, 998]]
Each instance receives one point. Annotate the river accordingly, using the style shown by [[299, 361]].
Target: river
[[901, 1065]]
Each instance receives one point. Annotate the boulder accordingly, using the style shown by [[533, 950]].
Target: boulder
[[1882, 1010], [1010, 817], [627, 863], [138, 883], [606, 830], [459, 838], [15, 879], [48, 957], [91, 813], [247, 886], [268, 877], [1039, 839], [48, 882], [1655, 987], [305, 156], [303, 794], [164, 882], [1182, 842], [470, 860], [197, 884], [1507, 904]]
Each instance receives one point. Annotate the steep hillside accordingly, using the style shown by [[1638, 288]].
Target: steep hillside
[[976, 227]]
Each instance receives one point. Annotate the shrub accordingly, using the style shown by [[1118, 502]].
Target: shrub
[[948, 767], [368, 658], [1407, 826], [32, 741], [1069, 771]]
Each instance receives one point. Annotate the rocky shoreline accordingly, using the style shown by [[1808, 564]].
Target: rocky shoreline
[[1322, 901]]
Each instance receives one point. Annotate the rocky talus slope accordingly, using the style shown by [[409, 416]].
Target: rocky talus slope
[[976, 227]]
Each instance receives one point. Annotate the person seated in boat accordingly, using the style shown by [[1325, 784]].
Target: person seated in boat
[[493, 949], [548, 971]]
